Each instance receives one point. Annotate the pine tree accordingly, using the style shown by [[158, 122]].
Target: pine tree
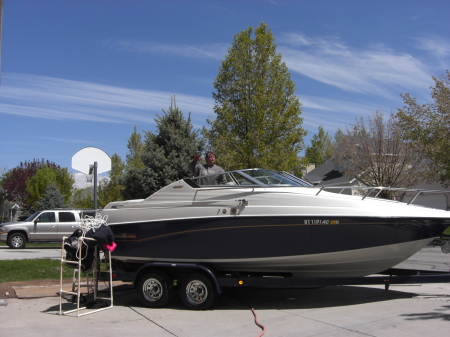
[[52, 198], [258, 116], [165, 155], [321, 148], [135, 148]]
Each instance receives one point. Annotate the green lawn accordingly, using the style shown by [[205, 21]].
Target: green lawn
[[32, 269]]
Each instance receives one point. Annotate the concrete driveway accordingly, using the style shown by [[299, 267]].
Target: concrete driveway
[[413, 310]]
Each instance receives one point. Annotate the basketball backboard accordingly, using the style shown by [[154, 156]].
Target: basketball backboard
[[86, 157]]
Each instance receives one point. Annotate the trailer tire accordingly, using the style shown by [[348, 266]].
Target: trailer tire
[[17, 241], [198, 292], [155, 289]]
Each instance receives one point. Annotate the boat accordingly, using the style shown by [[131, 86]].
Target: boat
[[271, 222]]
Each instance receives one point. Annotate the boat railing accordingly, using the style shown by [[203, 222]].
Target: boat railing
[[407, 195]]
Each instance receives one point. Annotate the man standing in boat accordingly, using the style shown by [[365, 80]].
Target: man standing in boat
[[211, 173]]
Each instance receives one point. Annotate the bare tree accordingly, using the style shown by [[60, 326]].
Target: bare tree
[[375, 153]]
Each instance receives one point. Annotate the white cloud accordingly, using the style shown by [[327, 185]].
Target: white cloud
[[68, 140], [373, 73], [315, 103], [55, 114], [332, 113], [434, 45], [81, 181], [214, 51], [334, 105], [375, 70], [60, 99]]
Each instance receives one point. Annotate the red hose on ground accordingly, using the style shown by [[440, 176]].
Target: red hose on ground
[[263, 328]]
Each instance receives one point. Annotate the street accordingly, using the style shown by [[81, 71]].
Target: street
[[7, 253]]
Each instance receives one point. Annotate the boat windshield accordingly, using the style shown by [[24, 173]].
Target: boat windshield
[[249, 177]]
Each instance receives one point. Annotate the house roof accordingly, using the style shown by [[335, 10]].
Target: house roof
[[331, 173], [328, 173]]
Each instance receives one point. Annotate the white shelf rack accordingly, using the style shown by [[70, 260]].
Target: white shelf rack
[[91, 277]]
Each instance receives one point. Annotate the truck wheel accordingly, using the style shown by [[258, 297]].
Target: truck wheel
[[198, 292], [17, 241], [155, 289]]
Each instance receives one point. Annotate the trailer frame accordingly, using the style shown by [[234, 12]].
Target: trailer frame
[[220, 281]]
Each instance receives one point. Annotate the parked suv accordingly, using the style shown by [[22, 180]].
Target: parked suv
[[42, 226]]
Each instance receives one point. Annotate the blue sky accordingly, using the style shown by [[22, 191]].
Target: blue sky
[[79, 73]]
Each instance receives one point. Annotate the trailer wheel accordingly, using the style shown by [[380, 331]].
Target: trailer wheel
[[17, 241], [198, 292], [155, 289]]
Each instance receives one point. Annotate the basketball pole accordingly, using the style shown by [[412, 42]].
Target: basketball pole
[[95, 185]]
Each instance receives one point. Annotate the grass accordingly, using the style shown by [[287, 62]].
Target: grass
[[32, 269]]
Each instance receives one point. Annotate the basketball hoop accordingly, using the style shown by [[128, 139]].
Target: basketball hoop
[[89, 177], [91, 161]]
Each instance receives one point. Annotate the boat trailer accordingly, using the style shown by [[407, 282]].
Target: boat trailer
[[200, 284]]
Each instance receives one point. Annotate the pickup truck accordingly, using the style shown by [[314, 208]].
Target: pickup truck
[[42, 226]]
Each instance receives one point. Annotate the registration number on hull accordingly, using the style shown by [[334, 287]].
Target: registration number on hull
[[320, 222]]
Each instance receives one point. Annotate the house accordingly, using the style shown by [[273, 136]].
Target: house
[[331, 173], [10, 212]]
